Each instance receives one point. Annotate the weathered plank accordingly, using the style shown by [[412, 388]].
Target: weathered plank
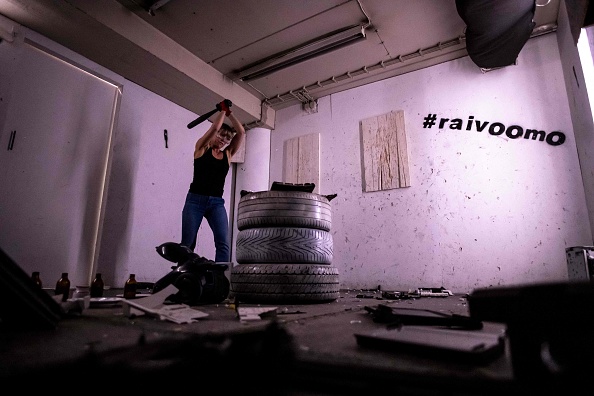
[[301, 160], [385, 152]]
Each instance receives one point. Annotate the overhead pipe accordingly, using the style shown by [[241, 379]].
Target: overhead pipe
[[440, 46]]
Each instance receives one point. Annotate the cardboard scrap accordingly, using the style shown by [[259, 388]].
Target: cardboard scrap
[[255, 313], [153, 305]]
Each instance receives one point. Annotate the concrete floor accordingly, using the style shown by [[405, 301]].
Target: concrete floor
[[308, 349]]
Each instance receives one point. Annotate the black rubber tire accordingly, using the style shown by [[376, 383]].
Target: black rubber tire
[[284, 245], [284, 209], [284, 283]]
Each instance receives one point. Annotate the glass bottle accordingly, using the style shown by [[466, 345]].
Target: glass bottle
[[63, 286], [37, 279], [97, 286], [130, 287]]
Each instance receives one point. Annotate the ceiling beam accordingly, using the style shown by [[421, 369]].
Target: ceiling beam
[[114, 37]]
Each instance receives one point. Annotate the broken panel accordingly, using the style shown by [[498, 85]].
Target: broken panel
[[384, 152]]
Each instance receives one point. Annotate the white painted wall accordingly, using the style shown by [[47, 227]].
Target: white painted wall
[[148, 186], [147, 183], [482, 209], [579, 104], [53, 176]]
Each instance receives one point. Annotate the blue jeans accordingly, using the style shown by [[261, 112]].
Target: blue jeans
[[213, 209]]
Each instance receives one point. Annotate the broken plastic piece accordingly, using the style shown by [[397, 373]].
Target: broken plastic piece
[[434, 292], [397, 316]]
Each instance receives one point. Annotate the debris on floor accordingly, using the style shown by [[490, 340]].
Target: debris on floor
[[255, 313], [154, 305], [378, 294], [434, 292], [398, 316]]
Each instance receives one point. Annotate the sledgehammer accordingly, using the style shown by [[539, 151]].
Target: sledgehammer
[[223, 106]]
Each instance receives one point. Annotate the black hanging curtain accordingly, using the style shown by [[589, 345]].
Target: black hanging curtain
[[496, 30]]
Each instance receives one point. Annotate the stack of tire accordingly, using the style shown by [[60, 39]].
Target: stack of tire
[[284, 249]]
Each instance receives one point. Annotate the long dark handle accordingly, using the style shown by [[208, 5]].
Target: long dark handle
[[202, 118]]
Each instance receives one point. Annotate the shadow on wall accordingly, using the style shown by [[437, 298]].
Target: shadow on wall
[[115, 236]]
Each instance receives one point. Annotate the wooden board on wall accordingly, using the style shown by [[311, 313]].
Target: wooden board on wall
[[301, 160], [384, 152]]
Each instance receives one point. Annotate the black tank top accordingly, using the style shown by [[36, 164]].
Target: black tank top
[[210, 174]]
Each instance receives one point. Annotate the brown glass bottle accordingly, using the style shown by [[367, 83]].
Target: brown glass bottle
[[37, 279], [97, 286], [63, 286], [130, 287]]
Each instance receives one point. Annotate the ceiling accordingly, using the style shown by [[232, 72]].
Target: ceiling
[[191, 52]]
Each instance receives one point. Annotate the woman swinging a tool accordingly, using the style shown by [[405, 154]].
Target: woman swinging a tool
[[212, 158]]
